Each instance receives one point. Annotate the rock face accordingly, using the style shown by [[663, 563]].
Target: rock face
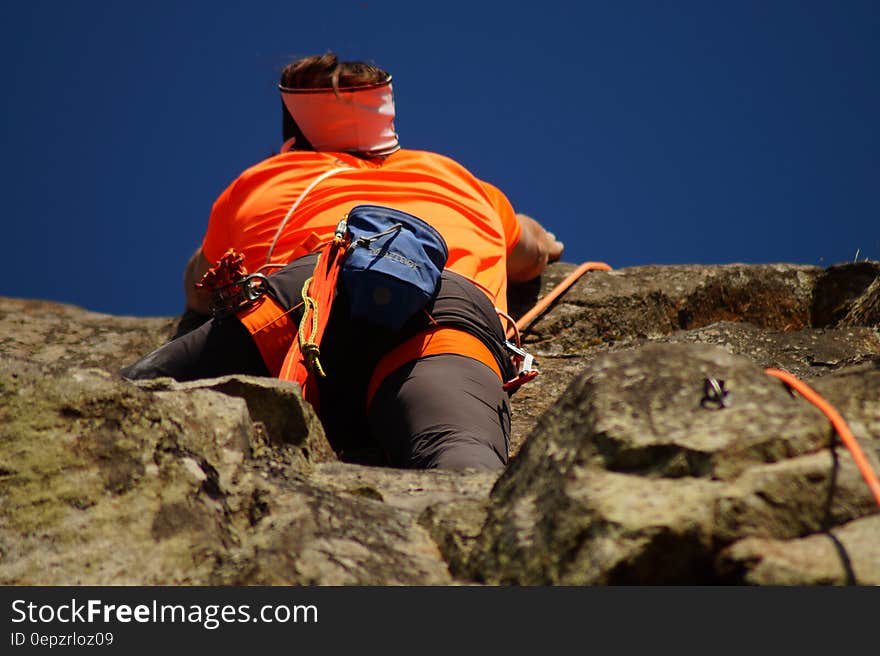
[[626, 469]]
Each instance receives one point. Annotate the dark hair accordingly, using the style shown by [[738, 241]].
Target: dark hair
[[323, 72], [326, 71]]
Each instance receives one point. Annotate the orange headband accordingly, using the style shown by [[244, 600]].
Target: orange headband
[[357, 119]]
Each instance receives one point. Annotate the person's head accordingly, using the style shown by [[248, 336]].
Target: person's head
[[330, 105]]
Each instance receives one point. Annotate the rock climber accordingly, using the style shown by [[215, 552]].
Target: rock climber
[[427, 403]]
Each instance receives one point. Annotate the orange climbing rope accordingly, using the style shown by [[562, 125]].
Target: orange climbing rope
[[526, 320], [839, 424]]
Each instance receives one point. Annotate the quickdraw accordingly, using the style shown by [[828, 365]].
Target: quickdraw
[[232, 288], [526, 367]]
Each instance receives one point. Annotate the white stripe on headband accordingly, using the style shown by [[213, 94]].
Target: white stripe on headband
[[359, 119]]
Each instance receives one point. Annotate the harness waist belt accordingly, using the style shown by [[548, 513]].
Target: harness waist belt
[[438, 340], [272, 330]]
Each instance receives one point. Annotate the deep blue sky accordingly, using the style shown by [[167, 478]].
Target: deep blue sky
[[641, 132]]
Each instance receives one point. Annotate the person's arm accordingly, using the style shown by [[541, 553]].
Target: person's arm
[[197, 300], [535, 248]]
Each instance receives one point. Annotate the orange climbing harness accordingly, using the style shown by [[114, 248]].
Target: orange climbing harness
[[288, 353], [837, 422], [446, 340], [302, 358], [438, 340], [297, 358], [271, 328]]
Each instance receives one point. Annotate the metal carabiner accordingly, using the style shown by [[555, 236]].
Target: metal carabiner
[[341, 230], [251, 290], [524, 361]]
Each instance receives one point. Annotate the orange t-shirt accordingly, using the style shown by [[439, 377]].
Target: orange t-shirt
[[475, 218]]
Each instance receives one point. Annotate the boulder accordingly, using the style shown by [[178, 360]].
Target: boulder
[[632, 477], [847, 555], [105, 482]]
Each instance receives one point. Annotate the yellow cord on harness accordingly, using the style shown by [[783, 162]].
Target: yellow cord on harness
[[307, 345], [309, 348]]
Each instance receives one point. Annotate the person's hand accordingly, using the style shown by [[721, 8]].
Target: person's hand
[[535, 248], [197, 300], [552, 246]]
